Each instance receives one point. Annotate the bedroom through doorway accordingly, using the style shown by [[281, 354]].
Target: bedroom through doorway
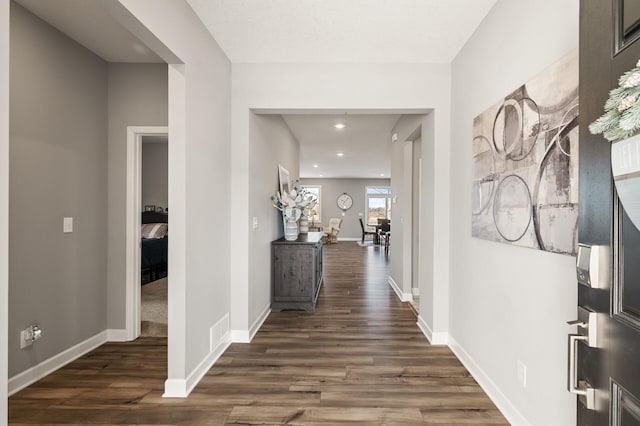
[[154, 236], [147, 233]]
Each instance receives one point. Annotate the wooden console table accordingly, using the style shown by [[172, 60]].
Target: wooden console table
[[296, 272]]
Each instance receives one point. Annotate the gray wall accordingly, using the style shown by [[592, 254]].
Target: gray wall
[[137, 97], [155, 157], [199, 178], [4, 200], [58, 155], [334, 187], [4, 203], [402, 179], [497, 282], [271, 144]]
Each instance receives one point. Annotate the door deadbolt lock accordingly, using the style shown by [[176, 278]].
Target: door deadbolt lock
[[592, 267]]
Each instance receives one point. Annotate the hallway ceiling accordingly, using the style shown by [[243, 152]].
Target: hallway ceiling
[[341, 30], [348, 31], [88, 23], [365, 143]]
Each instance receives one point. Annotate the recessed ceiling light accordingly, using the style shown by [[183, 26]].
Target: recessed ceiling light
[[320, 175], [339, 126], [381, 174], [340, 154], [315, 166]]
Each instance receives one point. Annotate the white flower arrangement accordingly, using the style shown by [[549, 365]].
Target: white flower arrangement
[[622, 110], [294, 204]]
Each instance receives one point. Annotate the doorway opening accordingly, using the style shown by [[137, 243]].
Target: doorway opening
[[416, 212], [154, 236], [134, 207], [337, 154]]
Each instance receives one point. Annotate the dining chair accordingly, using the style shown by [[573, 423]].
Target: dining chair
[[384, 233], [365, 232]]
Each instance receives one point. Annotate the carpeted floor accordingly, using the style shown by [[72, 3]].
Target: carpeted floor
[[153, 312]]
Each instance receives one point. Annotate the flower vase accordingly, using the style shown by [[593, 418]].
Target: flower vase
[[304, 225], [290, 230]]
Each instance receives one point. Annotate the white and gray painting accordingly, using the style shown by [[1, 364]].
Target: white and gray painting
[[525, 163]]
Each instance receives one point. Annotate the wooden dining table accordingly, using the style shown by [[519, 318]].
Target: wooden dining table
[[376, 237], [377, 226]]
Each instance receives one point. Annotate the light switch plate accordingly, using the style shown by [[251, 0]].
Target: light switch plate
[[255, 222], [67, 225]]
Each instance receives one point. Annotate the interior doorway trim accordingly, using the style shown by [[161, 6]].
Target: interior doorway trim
[[134, 201]]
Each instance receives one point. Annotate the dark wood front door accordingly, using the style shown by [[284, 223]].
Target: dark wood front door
[[612, 368]]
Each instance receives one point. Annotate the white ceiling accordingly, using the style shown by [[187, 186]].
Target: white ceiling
[[302, 31], [341, 30], [365, 143], [347, 31]]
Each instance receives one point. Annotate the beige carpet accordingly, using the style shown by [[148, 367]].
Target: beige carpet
[[153, 313]]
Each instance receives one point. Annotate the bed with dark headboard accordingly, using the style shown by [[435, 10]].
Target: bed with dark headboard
[[154, 238]]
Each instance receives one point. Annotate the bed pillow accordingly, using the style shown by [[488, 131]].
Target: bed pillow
[[154, 230]]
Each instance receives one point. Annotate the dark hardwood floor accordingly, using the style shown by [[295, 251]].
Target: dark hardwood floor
[[359, 360]]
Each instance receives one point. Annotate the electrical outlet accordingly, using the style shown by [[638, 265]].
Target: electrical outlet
[[30, 335], [67, 225], [522, 374], [25, 338]]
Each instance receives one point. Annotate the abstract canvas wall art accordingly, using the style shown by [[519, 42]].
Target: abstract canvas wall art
[[525, 163]]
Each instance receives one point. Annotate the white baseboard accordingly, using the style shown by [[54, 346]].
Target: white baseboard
[[246, 336], [240, 336], [404, 297], [435, 338], [117, 335], [349, 239], [505, 406], [175, 388], [37, 372], [181, 388], [259, 321]]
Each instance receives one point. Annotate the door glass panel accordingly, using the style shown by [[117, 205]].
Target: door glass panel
[[377, 209], [629, 419], [626, 22], [630, 17], [378, 203], [629, 289], [625, 408], [630, 410]]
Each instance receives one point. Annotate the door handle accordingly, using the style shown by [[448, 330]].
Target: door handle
[[587, 323], [581, 388]]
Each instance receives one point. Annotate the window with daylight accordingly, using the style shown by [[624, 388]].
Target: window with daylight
[[378, 203], [316, 216]]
